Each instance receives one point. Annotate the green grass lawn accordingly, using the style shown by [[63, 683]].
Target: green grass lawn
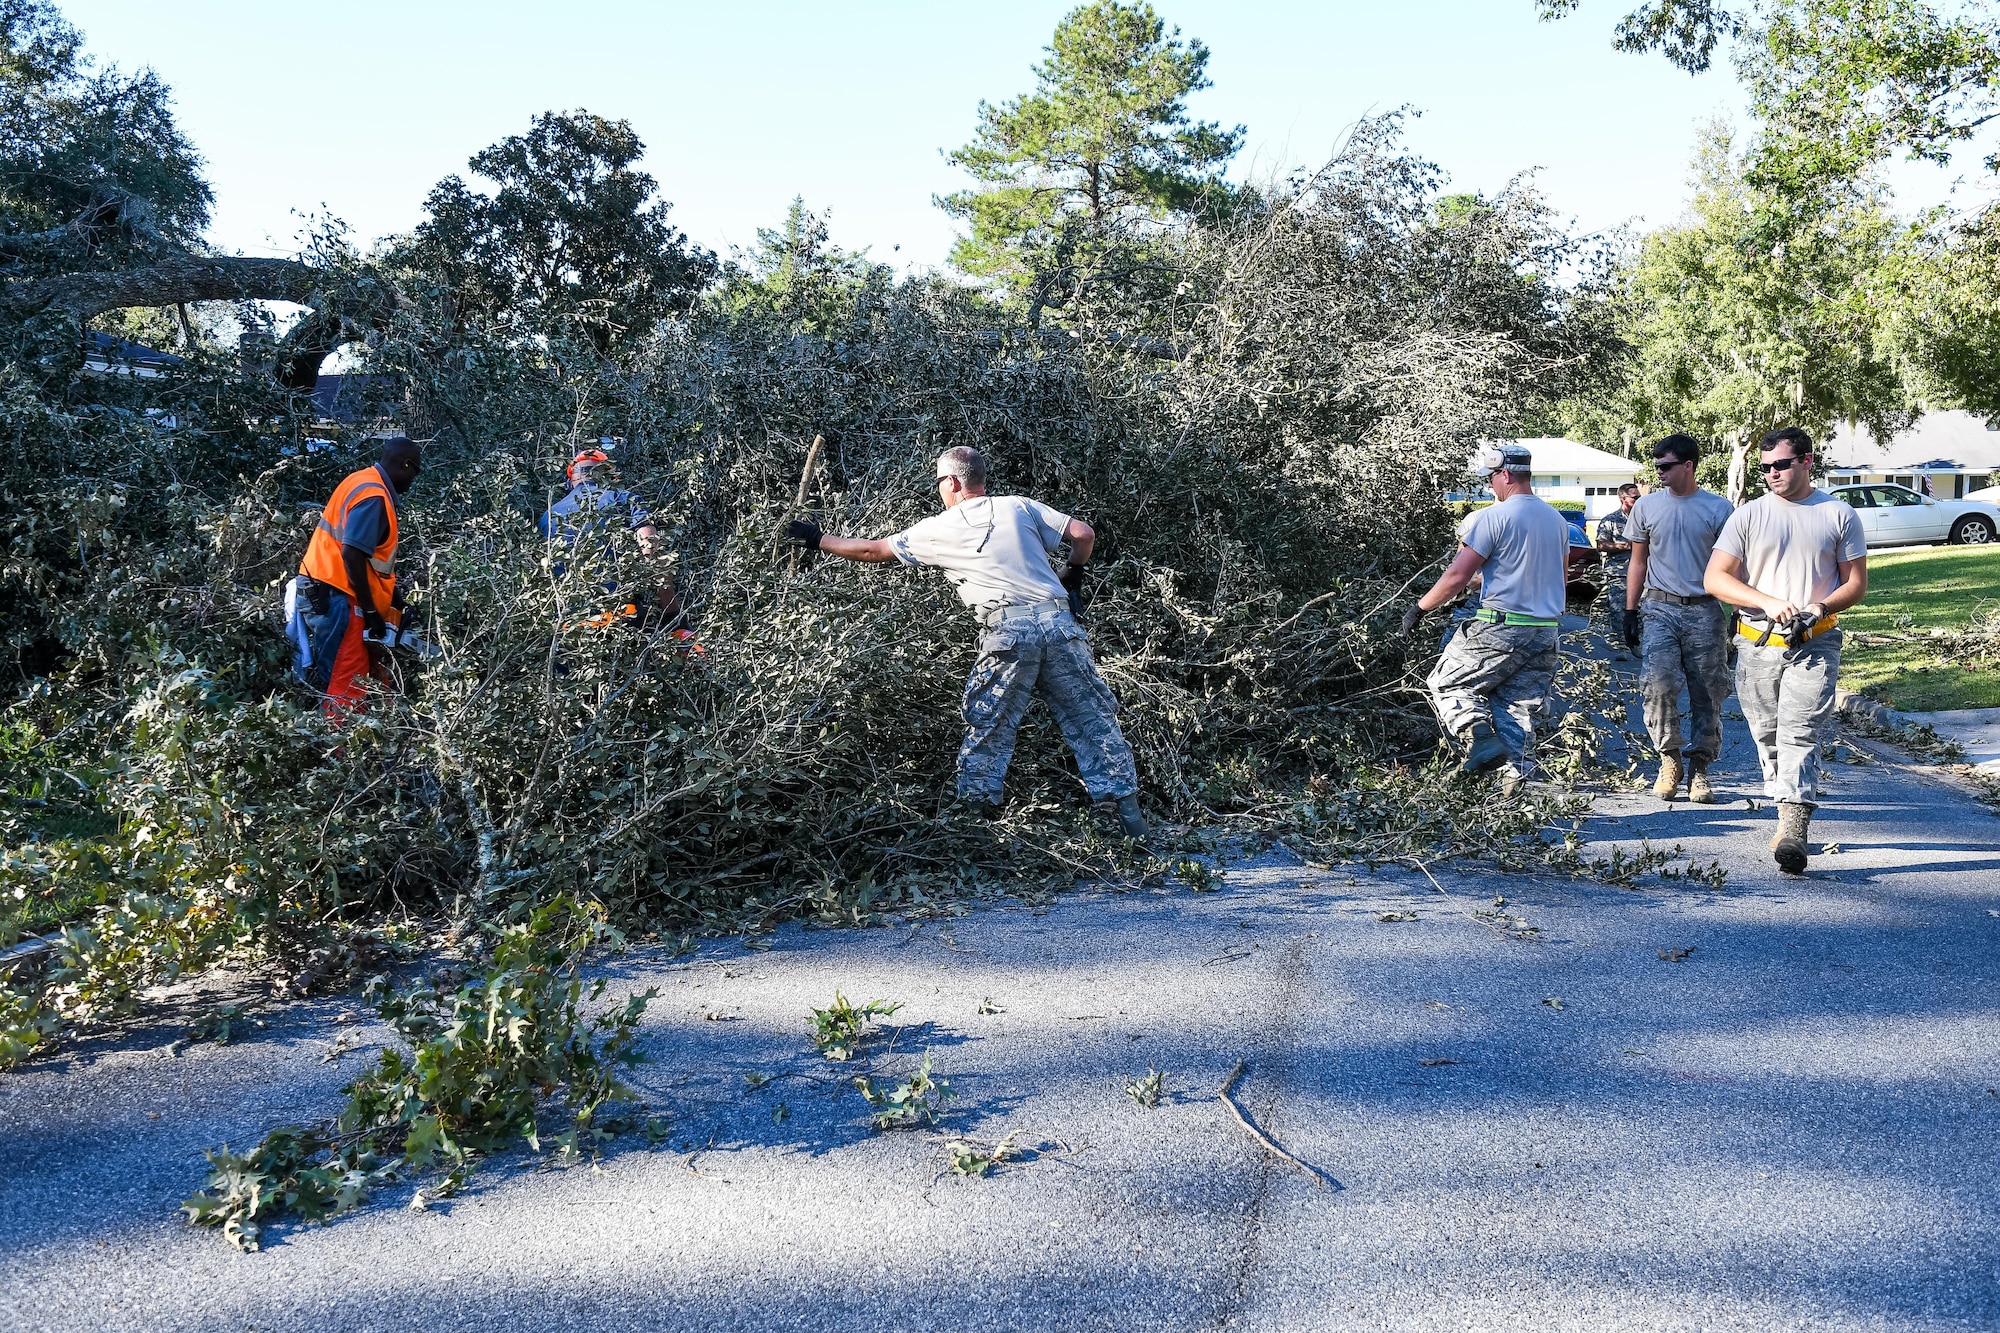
[[1910, 592]]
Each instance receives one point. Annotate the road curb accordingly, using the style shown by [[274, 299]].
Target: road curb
[[1861, 706]]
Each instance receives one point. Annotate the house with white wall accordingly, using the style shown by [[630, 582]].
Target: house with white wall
[[1944, 454], [1566, 470]]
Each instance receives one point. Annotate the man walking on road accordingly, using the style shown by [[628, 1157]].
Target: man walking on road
[[1614, 539], [1494, 677], [1793, 559], [995, 550], [1679, 628]]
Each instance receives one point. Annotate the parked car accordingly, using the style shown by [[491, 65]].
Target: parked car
[[1897, 516], [1583, 572]]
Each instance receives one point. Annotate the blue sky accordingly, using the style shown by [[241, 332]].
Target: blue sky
[[358, 108]]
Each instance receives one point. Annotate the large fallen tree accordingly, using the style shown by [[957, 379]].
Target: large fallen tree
[[1264, 492]]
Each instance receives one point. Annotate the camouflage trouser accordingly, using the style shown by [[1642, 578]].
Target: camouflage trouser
[[1500, 674], [1043, 652], [1684, 647], [1611, 598], [1787, 698]]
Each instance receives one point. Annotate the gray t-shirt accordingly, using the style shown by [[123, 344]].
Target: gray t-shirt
[[994, 548], [1789, 550], [1678, 534], [1526, 544]]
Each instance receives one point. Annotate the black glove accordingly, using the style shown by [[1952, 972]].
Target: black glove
[[1072, 582], [805, 532], [1631, 628], [1412, 614], [373, 626]]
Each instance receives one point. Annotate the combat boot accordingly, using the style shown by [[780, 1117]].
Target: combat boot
[[1131, 818], [1485, 750], [1669, 780], [1698, 789], [1788, 848]]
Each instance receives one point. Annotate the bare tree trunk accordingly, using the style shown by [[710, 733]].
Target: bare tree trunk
[[1739, 465]]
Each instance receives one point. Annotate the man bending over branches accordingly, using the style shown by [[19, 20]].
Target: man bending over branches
[[341, 608], [995, 549]]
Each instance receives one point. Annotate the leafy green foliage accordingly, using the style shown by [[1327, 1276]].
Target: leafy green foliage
[[484, 1061], [839, 1028], [571, 241], [967, 1158], [797, 278], [918, 1100], [1147, 1090], [1199, 876], [1104, 141], [68, 133], [1759, 312]]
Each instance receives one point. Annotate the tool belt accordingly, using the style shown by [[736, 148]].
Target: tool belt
[[992, 615], [1662, 595], [1760, 630], [1512, 618]]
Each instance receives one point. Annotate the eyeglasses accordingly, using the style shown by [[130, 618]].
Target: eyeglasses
[[1783, 464], [1666, 465]]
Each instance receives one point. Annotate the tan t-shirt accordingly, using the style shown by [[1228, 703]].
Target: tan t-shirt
[[1791, 550], [994, 548]]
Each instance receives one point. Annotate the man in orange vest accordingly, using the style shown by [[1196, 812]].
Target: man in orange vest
[[345, 593]]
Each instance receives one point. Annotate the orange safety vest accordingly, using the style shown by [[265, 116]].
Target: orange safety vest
[[323, 561]]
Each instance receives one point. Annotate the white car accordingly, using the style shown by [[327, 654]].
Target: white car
[[1898, 516]]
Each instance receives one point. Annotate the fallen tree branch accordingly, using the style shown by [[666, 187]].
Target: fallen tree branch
[[168, 281], [1318, 1177]]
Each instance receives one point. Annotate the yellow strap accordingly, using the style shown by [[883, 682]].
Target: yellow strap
[[1754, 632]]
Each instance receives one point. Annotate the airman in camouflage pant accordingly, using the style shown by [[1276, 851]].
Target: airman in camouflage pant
[[1787, 696], [1684, 647], [1500, 674], [1040, 650]]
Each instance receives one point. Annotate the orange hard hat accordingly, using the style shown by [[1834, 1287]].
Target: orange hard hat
[[587, 458]]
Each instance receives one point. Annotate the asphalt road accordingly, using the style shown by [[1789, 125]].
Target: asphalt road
[[1791, 1128]]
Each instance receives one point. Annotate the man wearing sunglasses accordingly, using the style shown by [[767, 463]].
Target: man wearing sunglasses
[[1681, 630], [995, 550], [1493, 679], [1793, 560]]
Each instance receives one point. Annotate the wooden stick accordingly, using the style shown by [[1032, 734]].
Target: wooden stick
[[799, 502], [1258, 1134]]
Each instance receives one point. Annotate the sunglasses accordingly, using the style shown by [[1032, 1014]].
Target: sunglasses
[[1783, 464], [1665, 465]]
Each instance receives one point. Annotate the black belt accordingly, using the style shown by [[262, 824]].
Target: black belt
[[1661, 595]]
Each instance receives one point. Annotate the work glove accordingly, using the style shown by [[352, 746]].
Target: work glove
[[1631, 629], [373, 626], [1072, 582], [1413, 613], [804, 532]]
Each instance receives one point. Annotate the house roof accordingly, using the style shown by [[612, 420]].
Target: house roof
[[1552, 453], [1942, 441]]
